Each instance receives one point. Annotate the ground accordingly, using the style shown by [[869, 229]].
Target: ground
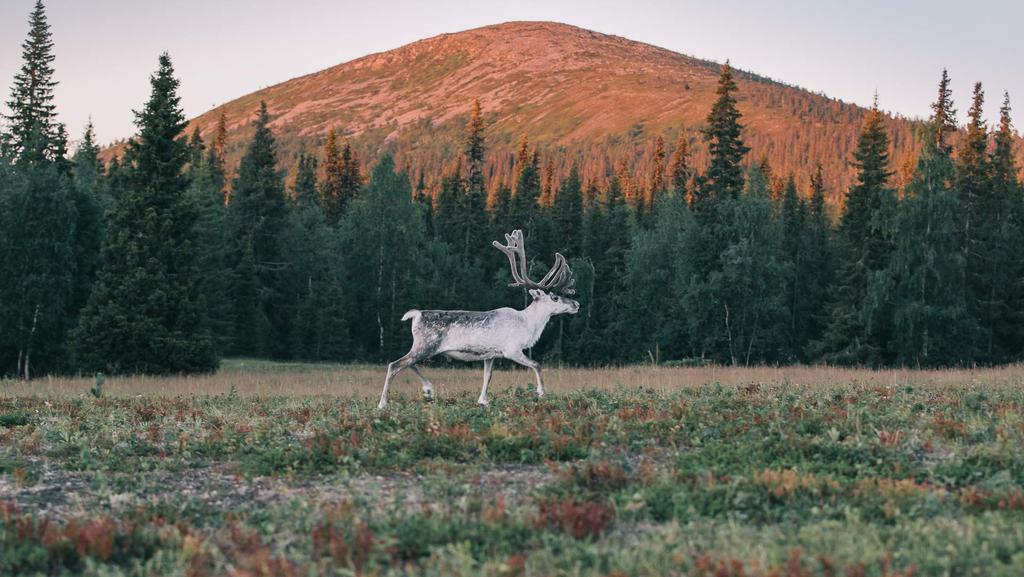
[[267, 469]]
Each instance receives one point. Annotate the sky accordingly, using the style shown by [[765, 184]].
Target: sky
[[222, 49]]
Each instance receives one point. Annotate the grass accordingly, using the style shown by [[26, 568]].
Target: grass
[[271, 469], [251, 377]]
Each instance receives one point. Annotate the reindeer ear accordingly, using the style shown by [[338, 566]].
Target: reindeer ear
[[536, 293]]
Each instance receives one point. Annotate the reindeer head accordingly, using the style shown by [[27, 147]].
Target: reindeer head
[[552, 292]]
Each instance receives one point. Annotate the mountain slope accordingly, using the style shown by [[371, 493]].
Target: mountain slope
[[581, 96]]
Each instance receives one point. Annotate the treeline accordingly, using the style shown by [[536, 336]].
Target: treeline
[[161, 262]]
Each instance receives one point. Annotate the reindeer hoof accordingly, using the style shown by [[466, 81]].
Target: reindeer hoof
[[483, 402], [382, 405], [428, 396]]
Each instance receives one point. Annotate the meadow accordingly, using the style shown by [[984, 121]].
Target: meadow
[[289, 469]]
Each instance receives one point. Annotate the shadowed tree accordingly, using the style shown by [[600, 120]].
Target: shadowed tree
[[257, 215], [851, 336], [145, 313]]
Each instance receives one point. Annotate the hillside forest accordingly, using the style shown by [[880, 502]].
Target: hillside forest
[[162, 261]]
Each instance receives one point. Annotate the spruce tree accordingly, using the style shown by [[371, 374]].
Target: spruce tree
[[943, 115], [90, 203], [972, 178], [475, 201], [315, 281], [998, 282], [145, 314], [332, 195], [567, 215], [680, 168], [45, 270], [819, 265], [724, 177], [387, 248], [737, 313], [448, 218], [925, 276], [608, 236], [525, 207], [794, 216], [658, 186], [500, 211], [863, 248], [656, 275], [213, 243], [34, 135], [257, 216], [351, 176]]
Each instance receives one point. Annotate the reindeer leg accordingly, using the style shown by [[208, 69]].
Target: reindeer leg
[[428, 387], [393, 369], [488, 365], [519, 357]]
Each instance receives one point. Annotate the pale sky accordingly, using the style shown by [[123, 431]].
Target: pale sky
[[223, 49]]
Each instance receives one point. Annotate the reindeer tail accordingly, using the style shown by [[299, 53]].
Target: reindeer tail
[[413, 314]]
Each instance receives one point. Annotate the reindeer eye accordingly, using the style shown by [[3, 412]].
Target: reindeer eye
[[554, 298]]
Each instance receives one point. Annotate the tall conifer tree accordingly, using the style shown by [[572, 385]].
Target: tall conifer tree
[[851, 336], [145, 313], [680, 169], [724, 177], [925, 276], [257, 216]]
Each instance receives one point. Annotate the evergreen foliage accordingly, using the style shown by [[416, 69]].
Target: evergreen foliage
[[257, 217], [925, 275], [728, 264], [863, 247], [386, 246], [145, 312]]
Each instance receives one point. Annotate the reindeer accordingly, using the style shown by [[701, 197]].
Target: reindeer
[[488, 335]]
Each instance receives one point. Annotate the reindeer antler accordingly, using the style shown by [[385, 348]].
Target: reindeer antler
[[557, 280]]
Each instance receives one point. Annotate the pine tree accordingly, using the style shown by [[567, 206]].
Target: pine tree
[[680, 168], [45, 270], [213, 243], [851, 336], [332, 195], [658, 188], [794, 216], [607, 239], [997, 284], [567, 215], [818, 273], [972, 173], [476, 195], [220, 150], [90, 203], [656, 273], [39, 270], [943, 114], [473, 203], [257, 214], [448, 219], [145, 314], [925, 276], [527, 192], [500, 211], [34, 134], [315, 281], [724, 177], [737, 312], [387, 247], [351, 176]]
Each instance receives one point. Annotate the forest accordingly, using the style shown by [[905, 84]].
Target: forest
[[162, 262]]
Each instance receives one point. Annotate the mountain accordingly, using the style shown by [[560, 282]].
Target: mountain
[[579, 95]]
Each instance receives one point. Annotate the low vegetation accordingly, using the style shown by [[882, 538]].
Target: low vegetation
[[859, 473]]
